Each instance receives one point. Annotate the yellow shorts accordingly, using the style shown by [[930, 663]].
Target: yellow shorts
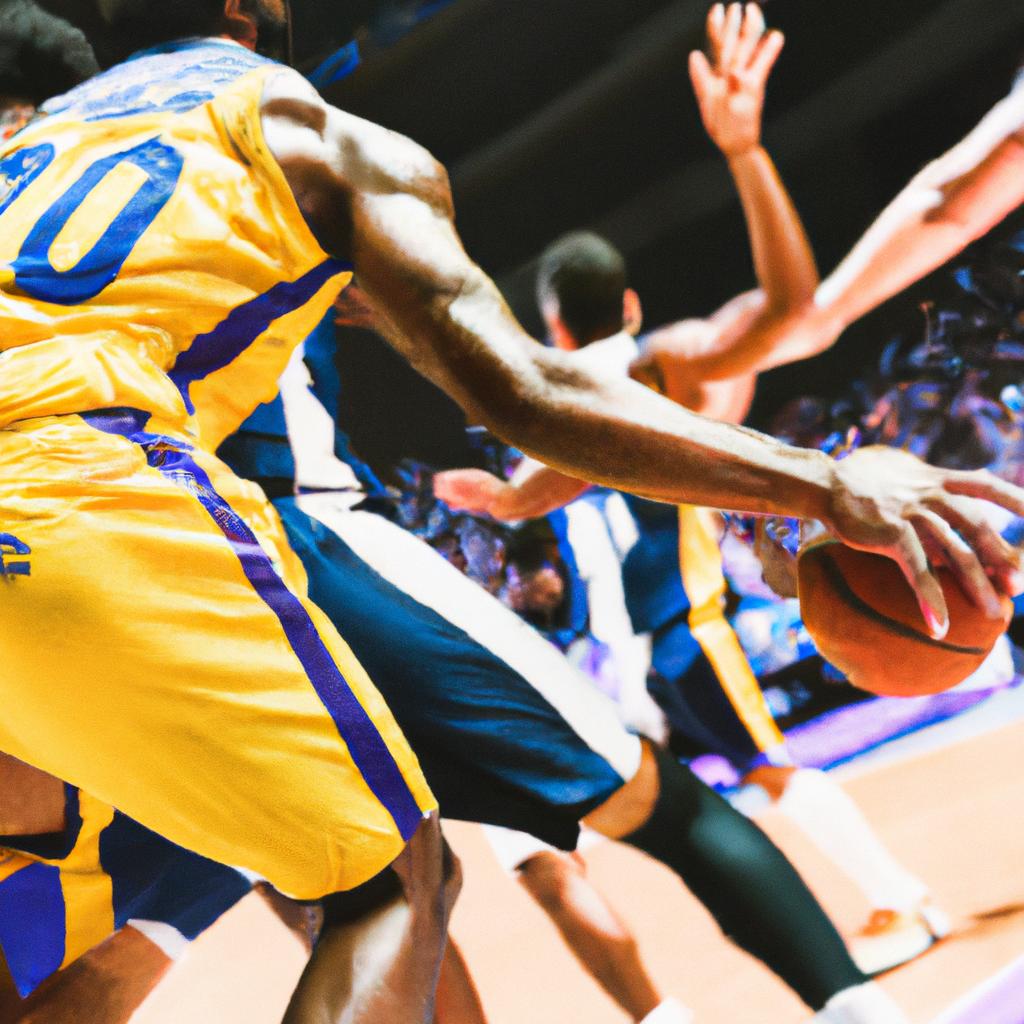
[[158, 652]]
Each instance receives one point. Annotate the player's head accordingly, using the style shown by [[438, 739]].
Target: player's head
[[117, 28], [583, 292]]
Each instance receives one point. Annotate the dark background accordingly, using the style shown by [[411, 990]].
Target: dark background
[[558, 114]]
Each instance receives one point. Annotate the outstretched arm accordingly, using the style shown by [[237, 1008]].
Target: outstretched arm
[[738, 340], [383, 202], [534, 490], [949, 204]]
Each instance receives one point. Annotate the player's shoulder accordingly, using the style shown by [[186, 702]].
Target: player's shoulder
[[682, 339], [301, 126]]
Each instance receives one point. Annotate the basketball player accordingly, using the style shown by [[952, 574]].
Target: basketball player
[[109, 436], [588, 309], [506, 731], [74, 879], [715, 698]]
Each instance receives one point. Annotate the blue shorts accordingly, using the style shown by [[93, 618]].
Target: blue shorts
[[506, 730], [65, 893]]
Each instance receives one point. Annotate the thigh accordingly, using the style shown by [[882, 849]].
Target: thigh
[[154, 656]]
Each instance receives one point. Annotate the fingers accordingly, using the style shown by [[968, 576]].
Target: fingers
[[1002, 560], [912, 560], [701, 74], [750, 33], [987, 486], [964, 561], [730, 36], [767, 53], [716, 27]]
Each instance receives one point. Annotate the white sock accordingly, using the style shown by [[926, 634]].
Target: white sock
[[865, 1004], [833, 822], [671, 1011]]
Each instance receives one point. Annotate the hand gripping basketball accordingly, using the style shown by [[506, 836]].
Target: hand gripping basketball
[[888, 502]]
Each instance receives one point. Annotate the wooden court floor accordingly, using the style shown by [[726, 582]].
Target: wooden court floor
[[953, 815]]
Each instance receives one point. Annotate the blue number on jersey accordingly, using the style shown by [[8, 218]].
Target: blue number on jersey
[[20, 169], [36, 276]]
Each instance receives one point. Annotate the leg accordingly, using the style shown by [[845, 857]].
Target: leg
[[106, 986], [904, 922], [510, 720], [458, 1001], [384, 968], [31, 803], [747, 884], [822, 810], [598, 938]]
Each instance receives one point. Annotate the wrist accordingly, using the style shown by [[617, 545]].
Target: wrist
[[816, 484], [743, 152]]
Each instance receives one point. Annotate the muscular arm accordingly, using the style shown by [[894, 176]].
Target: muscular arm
[[949, 204], [383, 202]]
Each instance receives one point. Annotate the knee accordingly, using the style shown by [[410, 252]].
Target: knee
[[631, 806]]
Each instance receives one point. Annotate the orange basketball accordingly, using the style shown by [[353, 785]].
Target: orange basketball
[[864, 618]]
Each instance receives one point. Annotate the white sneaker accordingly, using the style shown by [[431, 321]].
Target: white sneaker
[[891, 938]]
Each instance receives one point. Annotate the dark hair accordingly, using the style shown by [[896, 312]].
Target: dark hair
[[40, 55], [138, 24], [586, 275]]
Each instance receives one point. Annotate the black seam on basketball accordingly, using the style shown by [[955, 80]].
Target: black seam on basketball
[[835, 576]]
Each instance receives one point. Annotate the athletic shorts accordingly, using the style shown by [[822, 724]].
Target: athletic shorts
[[508, 733], [704, 717], [158, 652], [63, 894]]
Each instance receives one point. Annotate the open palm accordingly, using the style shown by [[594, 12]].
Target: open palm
[[730, 85]]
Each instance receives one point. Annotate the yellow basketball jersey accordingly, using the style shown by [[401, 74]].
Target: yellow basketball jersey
[[148, 240]]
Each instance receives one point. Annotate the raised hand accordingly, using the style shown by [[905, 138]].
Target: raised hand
[[890, 502], [730, 86]]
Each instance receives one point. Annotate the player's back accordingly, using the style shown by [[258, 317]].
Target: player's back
[[148, 240]]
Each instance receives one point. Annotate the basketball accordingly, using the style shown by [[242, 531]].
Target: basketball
[[864, 619]]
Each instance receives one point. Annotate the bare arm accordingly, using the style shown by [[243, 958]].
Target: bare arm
[[742, 337], [534, 491], [949, 204], [383, 202], [730, 93]]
